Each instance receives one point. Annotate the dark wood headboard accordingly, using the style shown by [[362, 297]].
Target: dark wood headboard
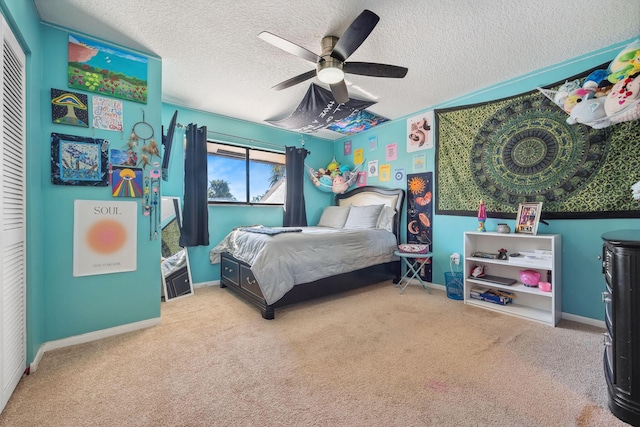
[[371, 195]]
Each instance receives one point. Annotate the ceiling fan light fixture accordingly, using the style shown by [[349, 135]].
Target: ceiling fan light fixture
[[330, 72]]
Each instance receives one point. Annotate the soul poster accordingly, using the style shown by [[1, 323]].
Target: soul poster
[[104, 237]]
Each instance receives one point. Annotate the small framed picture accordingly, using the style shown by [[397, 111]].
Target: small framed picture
[[528, 217]]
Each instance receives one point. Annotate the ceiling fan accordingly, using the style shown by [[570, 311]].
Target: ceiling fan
[[330, 64]]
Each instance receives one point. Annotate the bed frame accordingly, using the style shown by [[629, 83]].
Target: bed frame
[[237, 276]]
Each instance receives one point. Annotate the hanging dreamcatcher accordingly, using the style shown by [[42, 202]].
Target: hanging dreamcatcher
[[335, 177]]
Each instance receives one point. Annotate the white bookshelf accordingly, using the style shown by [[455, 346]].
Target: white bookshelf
[[529, 302]]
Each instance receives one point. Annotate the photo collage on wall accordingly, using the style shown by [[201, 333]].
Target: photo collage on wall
[[113, 75], [104, 230]]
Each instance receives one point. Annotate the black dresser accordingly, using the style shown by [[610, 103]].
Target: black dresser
[[621, 268]]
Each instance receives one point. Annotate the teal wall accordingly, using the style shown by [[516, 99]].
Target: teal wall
[[223, 219], [76, 305], [582, 281]]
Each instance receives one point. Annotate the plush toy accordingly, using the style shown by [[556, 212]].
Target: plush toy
[[626, 63], [333, 166], [344, 168], [623, 102], [577, 96], [590, 112], [326, 180], [593, 80], [339, 185], [564, 91], [635, 191]]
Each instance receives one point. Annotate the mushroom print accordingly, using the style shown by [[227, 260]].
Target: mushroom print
[[68, 108]]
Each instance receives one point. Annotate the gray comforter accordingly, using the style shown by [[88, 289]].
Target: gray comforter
[[283, 260]]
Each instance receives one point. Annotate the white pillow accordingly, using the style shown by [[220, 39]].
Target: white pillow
[[334, 216], [363, 217], [385, 220]]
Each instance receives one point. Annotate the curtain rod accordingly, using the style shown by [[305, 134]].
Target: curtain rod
[[250, 140]]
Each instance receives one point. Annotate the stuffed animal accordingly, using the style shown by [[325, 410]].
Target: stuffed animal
[[593, 80], [326, 181], [590, 112], [626, 63], [333, 166], [623, 102], [339, 185], [577, 96], [635, 189], [564, 91]]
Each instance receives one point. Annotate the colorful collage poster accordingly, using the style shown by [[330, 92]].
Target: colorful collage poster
[[420, 215]]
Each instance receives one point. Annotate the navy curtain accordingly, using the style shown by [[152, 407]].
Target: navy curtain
[[195, 215], [295, 213]]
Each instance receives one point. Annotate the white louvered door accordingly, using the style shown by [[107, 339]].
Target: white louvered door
[[13, 340]]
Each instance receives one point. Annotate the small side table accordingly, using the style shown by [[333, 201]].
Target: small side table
[[413, 268]]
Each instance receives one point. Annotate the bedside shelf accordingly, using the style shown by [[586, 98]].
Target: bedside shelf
[[528, 302]]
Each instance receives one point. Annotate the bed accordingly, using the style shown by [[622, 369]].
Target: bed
[[351, 247]]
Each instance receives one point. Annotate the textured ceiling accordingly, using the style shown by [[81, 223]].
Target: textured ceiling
[[213, 61]]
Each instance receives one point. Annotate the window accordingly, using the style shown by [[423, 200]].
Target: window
[[244, 175]]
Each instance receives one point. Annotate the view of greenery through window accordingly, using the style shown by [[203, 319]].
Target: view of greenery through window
[[244, 175]]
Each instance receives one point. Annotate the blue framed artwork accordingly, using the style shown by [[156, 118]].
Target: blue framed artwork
[[79, 160], [106, 70]]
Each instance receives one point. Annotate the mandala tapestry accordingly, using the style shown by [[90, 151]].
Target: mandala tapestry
[[520, 150]]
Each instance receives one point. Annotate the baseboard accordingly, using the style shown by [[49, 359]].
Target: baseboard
[[210, 283], [585, 320], [90, 336]]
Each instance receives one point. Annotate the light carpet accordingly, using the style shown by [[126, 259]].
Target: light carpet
[[370, 357]]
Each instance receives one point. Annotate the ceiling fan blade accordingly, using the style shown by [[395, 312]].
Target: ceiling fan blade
[[289, 47], [353, 37], [295, 80], [339, 92], [374, 70]]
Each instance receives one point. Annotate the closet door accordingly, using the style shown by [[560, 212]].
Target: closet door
[[13, 340]]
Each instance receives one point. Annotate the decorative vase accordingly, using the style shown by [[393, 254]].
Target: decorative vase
[[503, 228]]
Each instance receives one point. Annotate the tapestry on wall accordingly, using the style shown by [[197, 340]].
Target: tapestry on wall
[[419, 215], [357, 122], [520, 149], [318, 110]]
